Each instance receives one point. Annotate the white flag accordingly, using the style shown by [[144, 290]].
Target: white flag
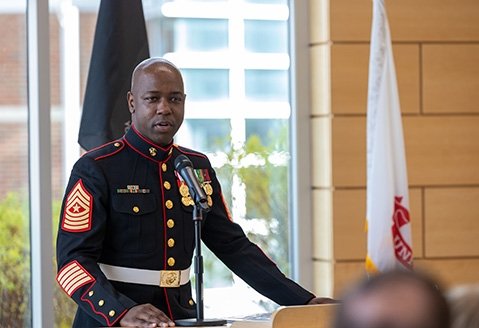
[[388, 222]]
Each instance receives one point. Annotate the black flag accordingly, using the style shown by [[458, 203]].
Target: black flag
[[120, 44]]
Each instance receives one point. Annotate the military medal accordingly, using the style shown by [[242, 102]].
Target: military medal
[[185, 200], [205, 182], [208, 189], [184, 190]]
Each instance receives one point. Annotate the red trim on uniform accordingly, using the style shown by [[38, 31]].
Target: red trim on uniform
[[99, 147], [189, 153], [73, 275], [78, 198], [165, 246], [148, 141], [227, 210], [164, 215], [140, 153], [112, 153], [168, 305], [108, 322]]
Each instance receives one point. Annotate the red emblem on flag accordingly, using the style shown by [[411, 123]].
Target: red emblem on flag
[[78, 209], [402, 249]]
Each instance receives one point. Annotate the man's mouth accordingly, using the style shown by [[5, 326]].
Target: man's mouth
[[162, 125]]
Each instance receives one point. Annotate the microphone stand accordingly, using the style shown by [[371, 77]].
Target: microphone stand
[[200, 321]]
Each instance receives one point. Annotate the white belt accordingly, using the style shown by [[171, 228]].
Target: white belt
[[162, 278]]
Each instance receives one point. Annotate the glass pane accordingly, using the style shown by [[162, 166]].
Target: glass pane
[[209, 135], [249, 155], [267, 85], [200, 34], [71, 41], [206, 84], [15, 308], [266, 187], [178, 34], [266, 36]]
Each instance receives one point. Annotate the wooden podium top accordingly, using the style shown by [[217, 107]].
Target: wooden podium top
[[306, 316]]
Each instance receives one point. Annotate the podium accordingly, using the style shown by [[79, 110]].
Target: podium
[[305, 316]]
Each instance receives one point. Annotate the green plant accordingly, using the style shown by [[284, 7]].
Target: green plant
[[15, 266], [14, 261], [266, 183]]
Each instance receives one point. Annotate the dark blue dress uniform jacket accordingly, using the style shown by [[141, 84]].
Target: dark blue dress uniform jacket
[[123, 207]]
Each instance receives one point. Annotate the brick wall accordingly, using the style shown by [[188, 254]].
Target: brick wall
[[436, 49], [13, 97]]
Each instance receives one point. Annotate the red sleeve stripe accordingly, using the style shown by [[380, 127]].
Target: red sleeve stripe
[[73, 276]]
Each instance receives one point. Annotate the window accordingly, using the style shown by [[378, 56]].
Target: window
[[206, 84], [266, 36], [235, 61], [267, 85]]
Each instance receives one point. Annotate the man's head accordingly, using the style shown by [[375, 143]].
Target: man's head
[[157, 100], [464, 304], [396, 299]]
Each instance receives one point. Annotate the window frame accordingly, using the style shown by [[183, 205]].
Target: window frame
[[40, 150], [301, 224], [39, 157]]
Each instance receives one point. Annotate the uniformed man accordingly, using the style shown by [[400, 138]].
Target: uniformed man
[[126, 235]]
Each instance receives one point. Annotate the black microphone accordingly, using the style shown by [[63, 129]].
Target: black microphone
[[184, 167]]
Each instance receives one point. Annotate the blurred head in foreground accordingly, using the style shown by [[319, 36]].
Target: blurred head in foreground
[[464, 304], [396, 299]]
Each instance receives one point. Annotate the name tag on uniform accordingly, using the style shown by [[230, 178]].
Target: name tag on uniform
[[132, 189]]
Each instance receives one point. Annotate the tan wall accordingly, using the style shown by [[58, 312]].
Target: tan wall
[[436, 50]]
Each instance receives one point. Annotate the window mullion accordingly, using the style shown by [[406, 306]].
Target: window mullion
[[40, 162]]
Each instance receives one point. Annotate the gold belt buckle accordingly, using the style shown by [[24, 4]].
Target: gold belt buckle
[[170, 278]]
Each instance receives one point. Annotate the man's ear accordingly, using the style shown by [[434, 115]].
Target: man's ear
[[131, 102]]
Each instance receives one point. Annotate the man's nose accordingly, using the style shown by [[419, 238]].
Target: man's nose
[[163, 107]]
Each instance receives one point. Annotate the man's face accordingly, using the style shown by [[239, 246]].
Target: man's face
[[157, 103]]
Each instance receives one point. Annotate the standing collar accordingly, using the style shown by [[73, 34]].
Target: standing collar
[[145, 147]]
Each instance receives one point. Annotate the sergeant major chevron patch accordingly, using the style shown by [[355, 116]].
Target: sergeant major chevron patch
[[77, 209]]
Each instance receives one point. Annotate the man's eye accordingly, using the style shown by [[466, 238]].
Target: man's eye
[[176, 99], [151, 99]]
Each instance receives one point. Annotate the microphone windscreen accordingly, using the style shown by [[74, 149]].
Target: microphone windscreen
[[181, 162]]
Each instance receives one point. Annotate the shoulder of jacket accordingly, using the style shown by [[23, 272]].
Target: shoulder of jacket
[[190, 152], [107, 150], [198, 159]]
